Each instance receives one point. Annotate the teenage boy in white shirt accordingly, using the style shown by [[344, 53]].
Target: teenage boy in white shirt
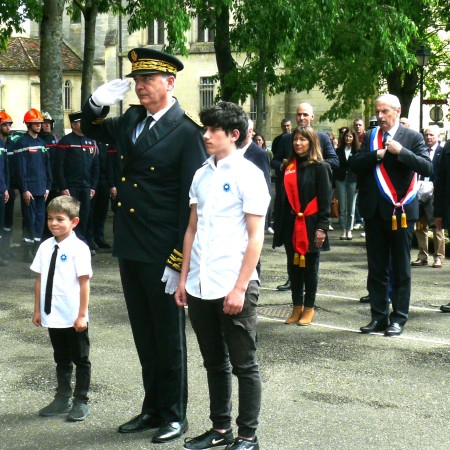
[[229, 199], [61, 305]]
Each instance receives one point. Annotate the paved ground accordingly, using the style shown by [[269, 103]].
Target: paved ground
[[325, 386]]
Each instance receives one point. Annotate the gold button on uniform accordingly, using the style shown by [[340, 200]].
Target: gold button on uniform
[[119, 204], [300, 214], [123, 179], [121, 156], [152, 169], [135, 185], [131, 210]]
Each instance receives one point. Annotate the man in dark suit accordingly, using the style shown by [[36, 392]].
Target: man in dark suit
[[431, 135], [256, 154], [386, 166], [159, 148], [442, 198], [304, 117]]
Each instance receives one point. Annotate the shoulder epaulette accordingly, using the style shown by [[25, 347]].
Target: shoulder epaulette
[[194, 119]]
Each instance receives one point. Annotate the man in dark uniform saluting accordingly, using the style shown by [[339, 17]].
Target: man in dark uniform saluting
[[159, 149]]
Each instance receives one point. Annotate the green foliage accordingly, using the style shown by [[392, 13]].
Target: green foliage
[[12, 15], [347, 48]]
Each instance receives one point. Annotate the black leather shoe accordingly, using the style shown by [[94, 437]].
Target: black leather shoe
[[365, 299], [103, 244], [285, 287], [170, 431], [445, 308], [394, 329], [374, 326], [140, 423]]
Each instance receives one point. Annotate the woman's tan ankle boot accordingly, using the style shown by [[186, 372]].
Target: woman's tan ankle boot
[[295, 315], [307, 317]]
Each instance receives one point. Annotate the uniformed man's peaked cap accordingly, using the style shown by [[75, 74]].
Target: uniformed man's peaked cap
[[75, 116], [147, 60]]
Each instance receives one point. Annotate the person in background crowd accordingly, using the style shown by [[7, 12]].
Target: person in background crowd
[[50, 139], [304, 117], [159, 148], [77, 169], [426, 186], [404, 121], [260, 141], [303, 220], [386, 167], [5, 132], [4, 197], [345, 180], [359, 129], [333, 140], [34, 178], [100, 203]]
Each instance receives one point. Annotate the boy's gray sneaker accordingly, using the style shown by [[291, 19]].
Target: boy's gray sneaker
[[57, 406], [211, 439], [79, 412]]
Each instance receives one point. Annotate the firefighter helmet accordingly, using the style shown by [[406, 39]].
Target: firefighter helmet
[[33, 116], [5, 117]]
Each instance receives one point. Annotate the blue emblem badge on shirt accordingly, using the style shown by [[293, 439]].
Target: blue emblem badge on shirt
[[226, 187], [63, 258]]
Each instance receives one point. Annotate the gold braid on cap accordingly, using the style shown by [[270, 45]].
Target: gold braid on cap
[[153, 64], [175, 260]]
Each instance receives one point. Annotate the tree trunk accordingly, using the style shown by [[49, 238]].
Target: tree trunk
[[90, 13], [225, 62], [260, 91], [404, 86], [51, 62]]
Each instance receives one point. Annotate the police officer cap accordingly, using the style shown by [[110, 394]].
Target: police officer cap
[[75, 117], [147, 60]]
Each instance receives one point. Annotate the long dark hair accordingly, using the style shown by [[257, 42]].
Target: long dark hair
[[315, 150], [355, 144]]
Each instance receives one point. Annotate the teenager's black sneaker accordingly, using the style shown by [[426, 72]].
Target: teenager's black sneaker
[[57, 406], [211, 439], [243, 444]]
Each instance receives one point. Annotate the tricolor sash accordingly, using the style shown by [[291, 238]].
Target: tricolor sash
[[385, 185], [300, 236]]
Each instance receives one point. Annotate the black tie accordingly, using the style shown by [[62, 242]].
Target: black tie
[[146, 128], [49, 286], [385, 138]]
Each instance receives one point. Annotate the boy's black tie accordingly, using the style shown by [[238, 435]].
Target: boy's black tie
[[49, 286]]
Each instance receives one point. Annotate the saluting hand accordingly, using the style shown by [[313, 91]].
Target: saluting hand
[[111, 92]]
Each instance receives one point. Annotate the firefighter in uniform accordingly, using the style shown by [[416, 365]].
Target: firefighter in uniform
[[159, 148], [5, 131], [4, 197], [34, 178], [51, 141], [77, 168]]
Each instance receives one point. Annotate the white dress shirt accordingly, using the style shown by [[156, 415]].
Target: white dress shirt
[[224, 194]]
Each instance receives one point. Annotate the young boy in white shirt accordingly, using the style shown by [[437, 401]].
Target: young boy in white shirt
[[63, 267], [229, 199]]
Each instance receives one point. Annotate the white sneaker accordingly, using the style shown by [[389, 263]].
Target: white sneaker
[[270, 230], [363, 235], [358, 226], [330, 227]]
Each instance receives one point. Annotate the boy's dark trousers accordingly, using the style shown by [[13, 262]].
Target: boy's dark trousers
[[228, 345], [71, 347]]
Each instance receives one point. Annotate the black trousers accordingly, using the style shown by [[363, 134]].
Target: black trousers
[[228, 345], [158, 326], [83, 195], [381, 244], [98, 213], [71, 347], [302, 278]]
